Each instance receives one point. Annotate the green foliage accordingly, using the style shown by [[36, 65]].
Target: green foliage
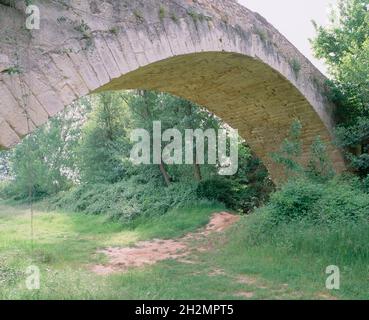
[[45, 162], [344, 46], [263, 35], [221, 190], [295, 201], [197, 17], [349, 29], [320, 165], [342, 203], [253, 179], [4, 165], [297, 254], [83, 28], [293, 254], [296, 66], [86, 33], [178, 221], [3, 190], [9, 276], [194, 15], [365, 184], [127, 200], [12, 70], [235, 195], [114, 30], [290, 150], [90, 154], [173, 112], [104, 140], [249, 188], [174, 17], [338, 201], [162, 13], [139, 16], [354, 139]]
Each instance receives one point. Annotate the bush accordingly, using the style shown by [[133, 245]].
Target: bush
[[126, 200], [295, 200], [3, 189], [325, 222], [365, 184], [217, 189], [343, 244], [235, 195], [342, 203], [338, 201]]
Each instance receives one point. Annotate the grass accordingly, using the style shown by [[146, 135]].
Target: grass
[[298, 254], [176, 222], [289, 264]]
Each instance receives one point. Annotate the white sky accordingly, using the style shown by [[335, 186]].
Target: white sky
[[293, 19]]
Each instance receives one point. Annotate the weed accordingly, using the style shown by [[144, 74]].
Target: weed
[[114, 30], [194, 15], [263, 35], [12, 70], [139, 16], [296, 66], [162, 13], [174, 17], [85, 30]]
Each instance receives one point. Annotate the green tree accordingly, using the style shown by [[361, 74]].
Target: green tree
[[147, 107], [45, 162], [4, 165], [344, 46], [178, 113], [104, 144]]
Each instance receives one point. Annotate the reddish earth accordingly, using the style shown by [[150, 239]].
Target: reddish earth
[[153, 251]]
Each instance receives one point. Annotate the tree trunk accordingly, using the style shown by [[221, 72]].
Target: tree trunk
[[196, 166], [165, 174], [197, 171]]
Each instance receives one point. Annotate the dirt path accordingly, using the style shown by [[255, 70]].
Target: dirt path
[[153, 251]]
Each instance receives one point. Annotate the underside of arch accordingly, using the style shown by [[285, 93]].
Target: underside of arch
[[244, 92], [216, 53]]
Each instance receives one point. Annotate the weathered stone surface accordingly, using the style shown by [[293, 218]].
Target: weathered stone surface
[[7, 136], [214, 52]]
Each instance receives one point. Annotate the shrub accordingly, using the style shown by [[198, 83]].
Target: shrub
[[342, 202], [338, 201], [290, 150], [366, 184], [4, 186], [236, 195], [126, 200], [217, 189], [320, 166], [295, 200]]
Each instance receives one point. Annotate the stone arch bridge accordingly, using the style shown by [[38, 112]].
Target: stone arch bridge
[[216, 53]]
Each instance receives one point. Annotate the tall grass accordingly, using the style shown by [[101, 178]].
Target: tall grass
[[306, 227]]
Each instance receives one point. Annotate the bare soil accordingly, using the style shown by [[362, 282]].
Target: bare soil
[[150, 252]]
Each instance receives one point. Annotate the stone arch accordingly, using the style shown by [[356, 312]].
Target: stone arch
[[214, 52]]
